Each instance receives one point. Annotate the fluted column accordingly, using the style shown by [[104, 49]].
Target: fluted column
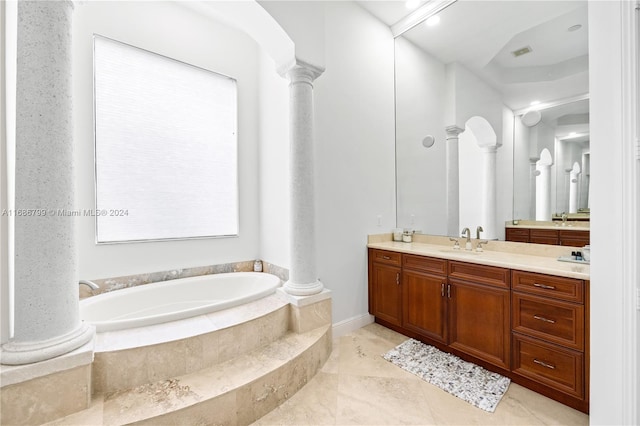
[[46, 322], [303, 277], [453, 180]]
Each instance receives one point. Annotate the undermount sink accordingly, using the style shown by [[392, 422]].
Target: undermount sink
[[461, 251]]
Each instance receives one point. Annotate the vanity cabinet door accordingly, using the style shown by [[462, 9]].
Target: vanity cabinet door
[[479, 321], [387, 300], [424, 297]]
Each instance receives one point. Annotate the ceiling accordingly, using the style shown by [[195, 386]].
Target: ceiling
[[481, 35]]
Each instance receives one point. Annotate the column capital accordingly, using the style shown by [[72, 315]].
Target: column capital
[[489, 149], [453, 132], [301, 72]]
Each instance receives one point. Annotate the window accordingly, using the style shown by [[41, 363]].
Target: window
[[165, 147]]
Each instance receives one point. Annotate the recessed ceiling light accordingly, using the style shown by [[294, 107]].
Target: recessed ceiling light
[[412, 4], [432, 21], [574, 27]]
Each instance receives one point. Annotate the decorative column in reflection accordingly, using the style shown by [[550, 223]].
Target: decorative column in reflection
[[543, 186], [46, 307], [573, 188], [532, 187], [489, 197], [303, 277], [453, 180]]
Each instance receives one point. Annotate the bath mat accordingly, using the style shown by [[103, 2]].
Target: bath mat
[[472, 383]]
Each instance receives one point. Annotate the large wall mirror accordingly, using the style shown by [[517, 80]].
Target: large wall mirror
[[481, 91]]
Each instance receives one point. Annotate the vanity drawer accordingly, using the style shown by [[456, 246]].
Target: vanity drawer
[[481, 274], [552, 320], [543, 236], [573, 238], [388, 257], [556, 367], [548, 285], [425, 264], [519, 235]]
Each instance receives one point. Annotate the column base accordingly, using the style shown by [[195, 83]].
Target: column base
[[306, 289], [18, 353]]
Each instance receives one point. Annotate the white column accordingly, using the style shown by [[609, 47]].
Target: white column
[[543, 186], [453, 181], [46, 320], [573, 188], [489, 197], [532, 188], [303, 277]]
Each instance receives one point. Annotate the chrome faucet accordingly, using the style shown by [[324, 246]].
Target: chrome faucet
[[467, 234], [478, 231], [564, 219], [93, 286]]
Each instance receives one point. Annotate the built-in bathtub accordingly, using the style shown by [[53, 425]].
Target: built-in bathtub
[[175, 299]]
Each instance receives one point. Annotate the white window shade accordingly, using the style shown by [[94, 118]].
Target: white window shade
[[165, 147]]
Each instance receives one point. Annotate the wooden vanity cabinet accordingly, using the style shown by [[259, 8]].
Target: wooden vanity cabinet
[[385, 296], [517, 235], [528, 326], [543, 236]]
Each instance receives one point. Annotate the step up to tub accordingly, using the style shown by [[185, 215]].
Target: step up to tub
[[127, 358], [237, 391]]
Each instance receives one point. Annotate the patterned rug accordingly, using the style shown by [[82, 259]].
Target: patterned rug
[[467, 381]]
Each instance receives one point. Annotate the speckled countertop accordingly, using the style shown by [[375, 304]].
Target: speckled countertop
[[521, 256]]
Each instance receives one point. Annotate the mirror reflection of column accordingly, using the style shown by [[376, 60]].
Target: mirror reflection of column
[[453, 180], [543, 186]]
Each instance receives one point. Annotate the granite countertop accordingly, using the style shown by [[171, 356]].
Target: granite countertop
[[521, 256], [548, 224]]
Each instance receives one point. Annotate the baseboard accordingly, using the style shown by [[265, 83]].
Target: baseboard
[[351, 324]]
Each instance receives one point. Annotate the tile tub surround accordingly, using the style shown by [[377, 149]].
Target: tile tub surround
[[30, 393], [125, 281], [528, 257]]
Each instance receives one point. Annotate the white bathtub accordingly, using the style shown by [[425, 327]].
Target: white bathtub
[[175, 299]]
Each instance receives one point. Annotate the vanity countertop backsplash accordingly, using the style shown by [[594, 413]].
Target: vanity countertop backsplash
[[520, 256]]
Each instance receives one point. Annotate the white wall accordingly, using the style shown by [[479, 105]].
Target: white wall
[[420, 83], [274, 164], [174, 31], [354, 153]]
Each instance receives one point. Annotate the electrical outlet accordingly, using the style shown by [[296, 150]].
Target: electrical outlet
[[413, 219], [379, 220]]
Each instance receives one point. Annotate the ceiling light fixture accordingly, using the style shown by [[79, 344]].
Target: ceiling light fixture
[[574, 27], [412, 4], [521, 51], [534, 103], [432, 21]]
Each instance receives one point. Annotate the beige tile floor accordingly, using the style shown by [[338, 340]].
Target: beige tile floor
[[357, 387]]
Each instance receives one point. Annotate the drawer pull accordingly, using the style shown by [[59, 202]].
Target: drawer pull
[[386, 257], [544, 364], [550, 321], [547, 287], [398, 278]]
